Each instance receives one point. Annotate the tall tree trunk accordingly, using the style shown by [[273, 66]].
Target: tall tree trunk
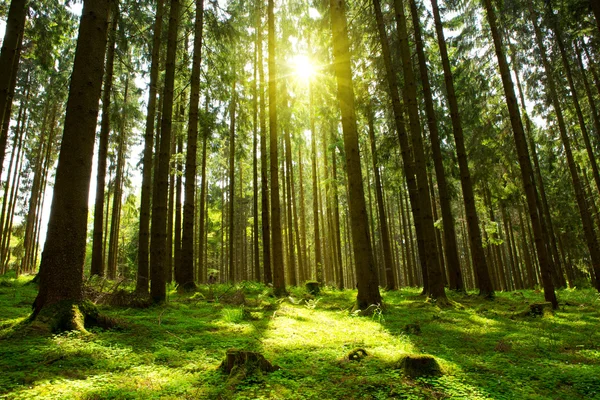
[[61, 270], [366, 274], [455, 281], [337, 245], [264, 164], [523, 155], [289, 204], [97, 265], [255, 229], [278, 269], [158, 241], [434, 272], [407, 160], [306, 262], [586, 218], [178, 216], [479, 261], [186, 273], [142, 281], [596, 9]]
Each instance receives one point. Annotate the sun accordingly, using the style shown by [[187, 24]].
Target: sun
[[303, 67]]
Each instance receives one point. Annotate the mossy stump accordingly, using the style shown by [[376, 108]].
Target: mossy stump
[[537, 310], [239, 364], [416, 365], [313, 287], [69, 316], [357, 354]]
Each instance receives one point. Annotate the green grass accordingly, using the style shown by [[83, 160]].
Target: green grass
[[173, 351]]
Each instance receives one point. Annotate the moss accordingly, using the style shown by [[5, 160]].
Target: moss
[[67, 316], [313, 287], [416, 365], [357, 354]]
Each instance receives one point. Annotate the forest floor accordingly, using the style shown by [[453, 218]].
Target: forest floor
[[486, 349]]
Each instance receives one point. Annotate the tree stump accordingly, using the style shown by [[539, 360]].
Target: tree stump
[[416, 365], [357, 354], [239, 364], [313, 287]]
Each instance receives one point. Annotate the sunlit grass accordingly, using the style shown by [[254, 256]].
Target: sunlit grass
[[173, 351]]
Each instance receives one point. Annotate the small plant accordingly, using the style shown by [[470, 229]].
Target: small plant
[[311, 304]]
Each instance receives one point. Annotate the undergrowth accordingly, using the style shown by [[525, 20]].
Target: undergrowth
[[485, 349]]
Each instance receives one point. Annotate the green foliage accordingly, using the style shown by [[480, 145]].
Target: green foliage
[[174, 350]]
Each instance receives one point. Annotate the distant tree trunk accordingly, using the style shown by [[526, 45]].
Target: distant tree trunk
[[388, 264], [186, 273], [366, 274], [337, 244], [113, 245], [306, 262], [586, 218], [479, 261], [588, 92], [232, 247], [9, 63], [455, 281], [142, 282], [264, 164], [278, 269], [202, 266], [97, 265], [178, 216], [315, 191], [158, 241], [523, 155], [287, 195], [61, 270]]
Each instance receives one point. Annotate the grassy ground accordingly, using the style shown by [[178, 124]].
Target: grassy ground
[[172, 351]]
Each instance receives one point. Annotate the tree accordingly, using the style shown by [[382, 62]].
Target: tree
[[186, 275], [61, 269], [158, 242], [366, 274]]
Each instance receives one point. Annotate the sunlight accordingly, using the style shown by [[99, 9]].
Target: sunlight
[[303, 67]]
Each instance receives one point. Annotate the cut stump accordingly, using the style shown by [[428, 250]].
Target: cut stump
[[240, 364], [416, 365], [357, 354], [313, 287]]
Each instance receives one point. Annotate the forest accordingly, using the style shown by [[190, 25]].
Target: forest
[[300, 199]]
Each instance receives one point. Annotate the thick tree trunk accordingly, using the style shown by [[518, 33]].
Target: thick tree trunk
[[366, 274], [158, 241], [97, 265], [255, 161], [61, 270], [186, 273], [142, 282], [523, 155]]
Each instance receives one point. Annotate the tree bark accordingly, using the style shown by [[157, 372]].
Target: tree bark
[[278, 268], [158, 241], [366, 274], [186, 273], [142, 281], [61, 269]]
